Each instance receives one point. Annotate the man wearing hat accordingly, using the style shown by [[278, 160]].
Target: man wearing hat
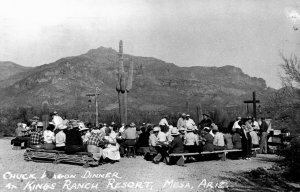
[[206, 121], [73, 139], [36, 137], [189, 123], [176, 146], [191, 140], [181, 121], [158, 140], [129, 136]]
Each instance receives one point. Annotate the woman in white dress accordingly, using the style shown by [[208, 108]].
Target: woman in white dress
[[111, 151]]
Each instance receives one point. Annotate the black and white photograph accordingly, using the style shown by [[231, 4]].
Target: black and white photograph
[[149, 95]]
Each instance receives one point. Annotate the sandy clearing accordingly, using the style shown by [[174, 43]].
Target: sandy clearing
[[142, 175]]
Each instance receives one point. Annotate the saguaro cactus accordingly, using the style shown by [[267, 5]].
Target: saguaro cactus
[[124, 85]]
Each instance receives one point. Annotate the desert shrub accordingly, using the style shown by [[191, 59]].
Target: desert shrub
[[291, 152]]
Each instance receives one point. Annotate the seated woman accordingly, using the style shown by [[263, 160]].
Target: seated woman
[[94, 143], [228, 139], [191, 141], [236, 139], [209, 139], [143, 141], [49, 138], [111, 151]]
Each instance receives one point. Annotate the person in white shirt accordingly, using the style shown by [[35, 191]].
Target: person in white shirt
[[49, 138], [56, 120], [158, 140], [163, 124], [181, 121], [189, 123], [219, 143], [60, 138], [236, 124], [254, 124]]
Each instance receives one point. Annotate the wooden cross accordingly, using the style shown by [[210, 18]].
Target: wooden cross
[[253, 101]]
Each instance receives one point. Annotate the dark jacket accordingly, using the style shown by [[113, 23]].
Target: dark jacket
[[264, 127], [143, 140], [176, 146], [209, 139], [73, 137], [236, 140]]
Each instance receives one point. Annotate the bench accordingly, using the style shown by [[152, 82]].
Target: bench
[[54, 156], [222, 153]]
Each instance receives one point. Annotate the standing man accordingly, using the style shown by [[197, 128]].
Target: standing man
[[163, 124], [206, 121], [181, 121], [264, 136]]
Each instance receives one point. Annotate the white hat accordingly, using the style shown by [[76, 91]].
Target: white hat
[[156, 129], [175, 132], [190, 129]]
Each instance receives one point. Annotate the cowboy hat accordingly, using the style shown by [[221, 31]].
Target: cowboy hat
[[181, 129], [83, 128], [40, 124], [35, 118], [190, 129], [175, 132], [188, 115], [183, 114], [205, 114]]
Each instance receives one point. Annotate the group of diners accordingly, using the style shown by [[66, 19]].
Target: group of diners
[[108, 142]]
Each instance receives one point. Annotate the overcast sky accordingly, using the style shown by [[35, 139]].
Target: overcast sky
[[247, 34]]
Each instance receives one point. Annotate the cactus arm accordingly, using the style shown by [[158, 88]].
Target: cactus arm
[[130, 77]]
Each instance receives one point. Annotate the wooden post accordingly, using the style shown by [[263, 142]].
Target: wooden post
[[253, 101], [96, 103]]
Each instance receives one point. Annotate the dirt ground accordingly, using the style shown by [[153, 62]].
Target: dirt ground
[[130, 174]]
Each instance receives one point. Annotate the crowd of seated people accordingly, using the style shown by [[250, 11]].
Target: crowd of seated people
[[109, 143]]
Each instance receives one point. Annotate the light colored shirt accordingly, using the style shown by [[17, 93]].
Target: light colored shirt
[[190, 123], [219, 139], [130, 133], [236, 125], [163, 121], [60, 139], [191, 139], [255, 125], [20, 131], [122, 129], [49, 136], [180, 123], [254, 137], [57, 120], [152, 140], [162, 137], [86, 137]]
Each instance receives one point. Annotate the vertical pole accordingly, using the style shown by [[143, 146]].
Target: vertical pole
[[254, 105], [96, 102]]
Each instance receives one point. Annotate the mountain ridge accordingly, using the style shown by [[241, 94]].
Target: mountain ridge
[[157, 85]]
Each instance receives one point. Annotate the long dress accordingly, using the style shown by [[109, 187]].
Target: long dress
[[112, 150]]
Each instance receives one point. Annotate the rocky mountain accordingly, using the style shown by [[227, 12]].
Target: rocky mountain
[[8, 69], [157, 85]]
